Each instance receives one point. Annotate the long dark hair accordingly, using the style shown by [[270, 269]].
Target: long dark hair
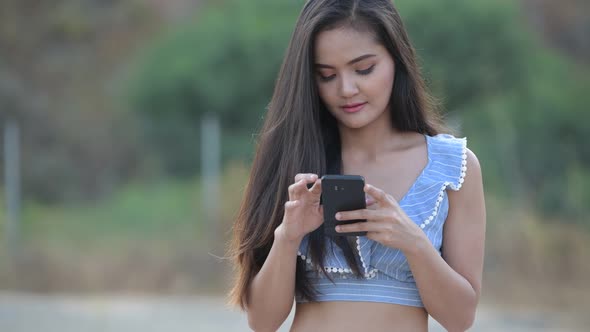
[[299, 135]]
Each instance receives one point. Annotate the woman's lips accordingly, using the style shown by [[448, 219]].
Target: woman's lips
[[353, 108]]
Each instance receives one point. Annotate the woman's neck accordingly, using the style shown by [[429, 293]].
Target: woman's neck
[[366, 144]]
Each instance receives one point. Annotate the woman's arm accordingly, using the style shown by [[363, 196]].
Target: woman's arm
[[273, 289], [450, 285]]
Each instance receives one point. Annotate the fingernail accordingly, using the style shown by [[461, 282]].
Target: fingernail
[[337, 228], [338, 215]]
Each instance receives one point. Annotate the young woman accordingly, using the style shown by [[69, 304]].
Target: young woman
[[350, 99]]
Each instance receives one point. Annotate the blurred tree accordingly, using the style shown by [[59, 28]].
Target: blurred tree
[[494, 77], [57, 65], [520, 104], [224, 61], [564, 24], [474, 55]]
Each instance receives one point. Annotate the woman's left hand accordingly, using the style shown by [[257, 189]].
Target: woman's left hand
[[386, 222]]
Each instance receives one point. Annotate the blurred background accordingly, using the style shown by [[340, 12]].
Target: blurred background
[[128, 127]]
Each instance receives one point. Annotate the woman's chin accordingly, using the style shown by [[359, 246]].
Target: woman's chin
[[359, 124]]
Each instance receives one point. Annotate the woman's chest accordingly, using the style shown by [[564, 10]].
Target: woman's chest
[[394, 172], [395, 179]]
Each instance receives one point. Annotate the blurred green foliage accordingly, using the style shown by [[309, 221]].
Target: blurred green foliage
[[224, 62], [173, 215], [521, 105], [164, 211]]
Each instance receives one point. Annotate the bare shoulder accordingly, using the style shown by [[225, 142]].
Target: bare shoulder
[[472, 162]]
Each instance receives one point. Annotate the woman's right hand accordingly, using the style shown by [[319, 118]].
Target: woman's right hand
[[303, 212]]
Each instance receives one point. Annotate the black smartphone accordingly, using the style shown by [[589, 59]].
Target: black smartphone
[[342, 193]]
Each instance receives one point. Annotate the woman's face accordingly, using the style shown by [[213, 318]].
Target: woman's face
[[354, 75]]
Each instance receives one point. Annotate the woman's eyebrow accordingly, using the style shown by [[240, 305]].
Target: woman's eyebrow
[[360, 58]]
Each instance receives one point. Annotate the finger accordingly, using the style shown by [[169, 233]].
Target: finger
[[300, 176], [295, 189], [356, 227], [372, 204], [379, 195], [317, 187], [356, 214], [370, 201], [289, 205], [301, 187]]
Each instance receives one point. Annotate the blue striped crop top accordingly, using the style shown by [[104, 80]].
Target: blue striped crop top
[[387, 276]]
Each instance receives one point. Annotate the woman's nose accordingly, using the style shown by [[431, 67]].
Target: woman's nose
[[348, 87]]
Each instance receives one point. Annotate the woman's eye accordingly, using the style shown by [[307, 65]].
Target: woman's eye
[[366, 71], [325, 78]]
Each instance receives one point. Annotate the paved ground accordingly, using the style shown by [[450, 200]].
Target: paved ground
[[28, 313]]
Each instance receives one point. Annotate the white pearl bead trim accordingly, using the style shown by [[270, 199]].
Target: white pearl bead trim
[[439, 199], [368, 274], [341, 271], [358, 250], [463, 165], [441, 193]]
